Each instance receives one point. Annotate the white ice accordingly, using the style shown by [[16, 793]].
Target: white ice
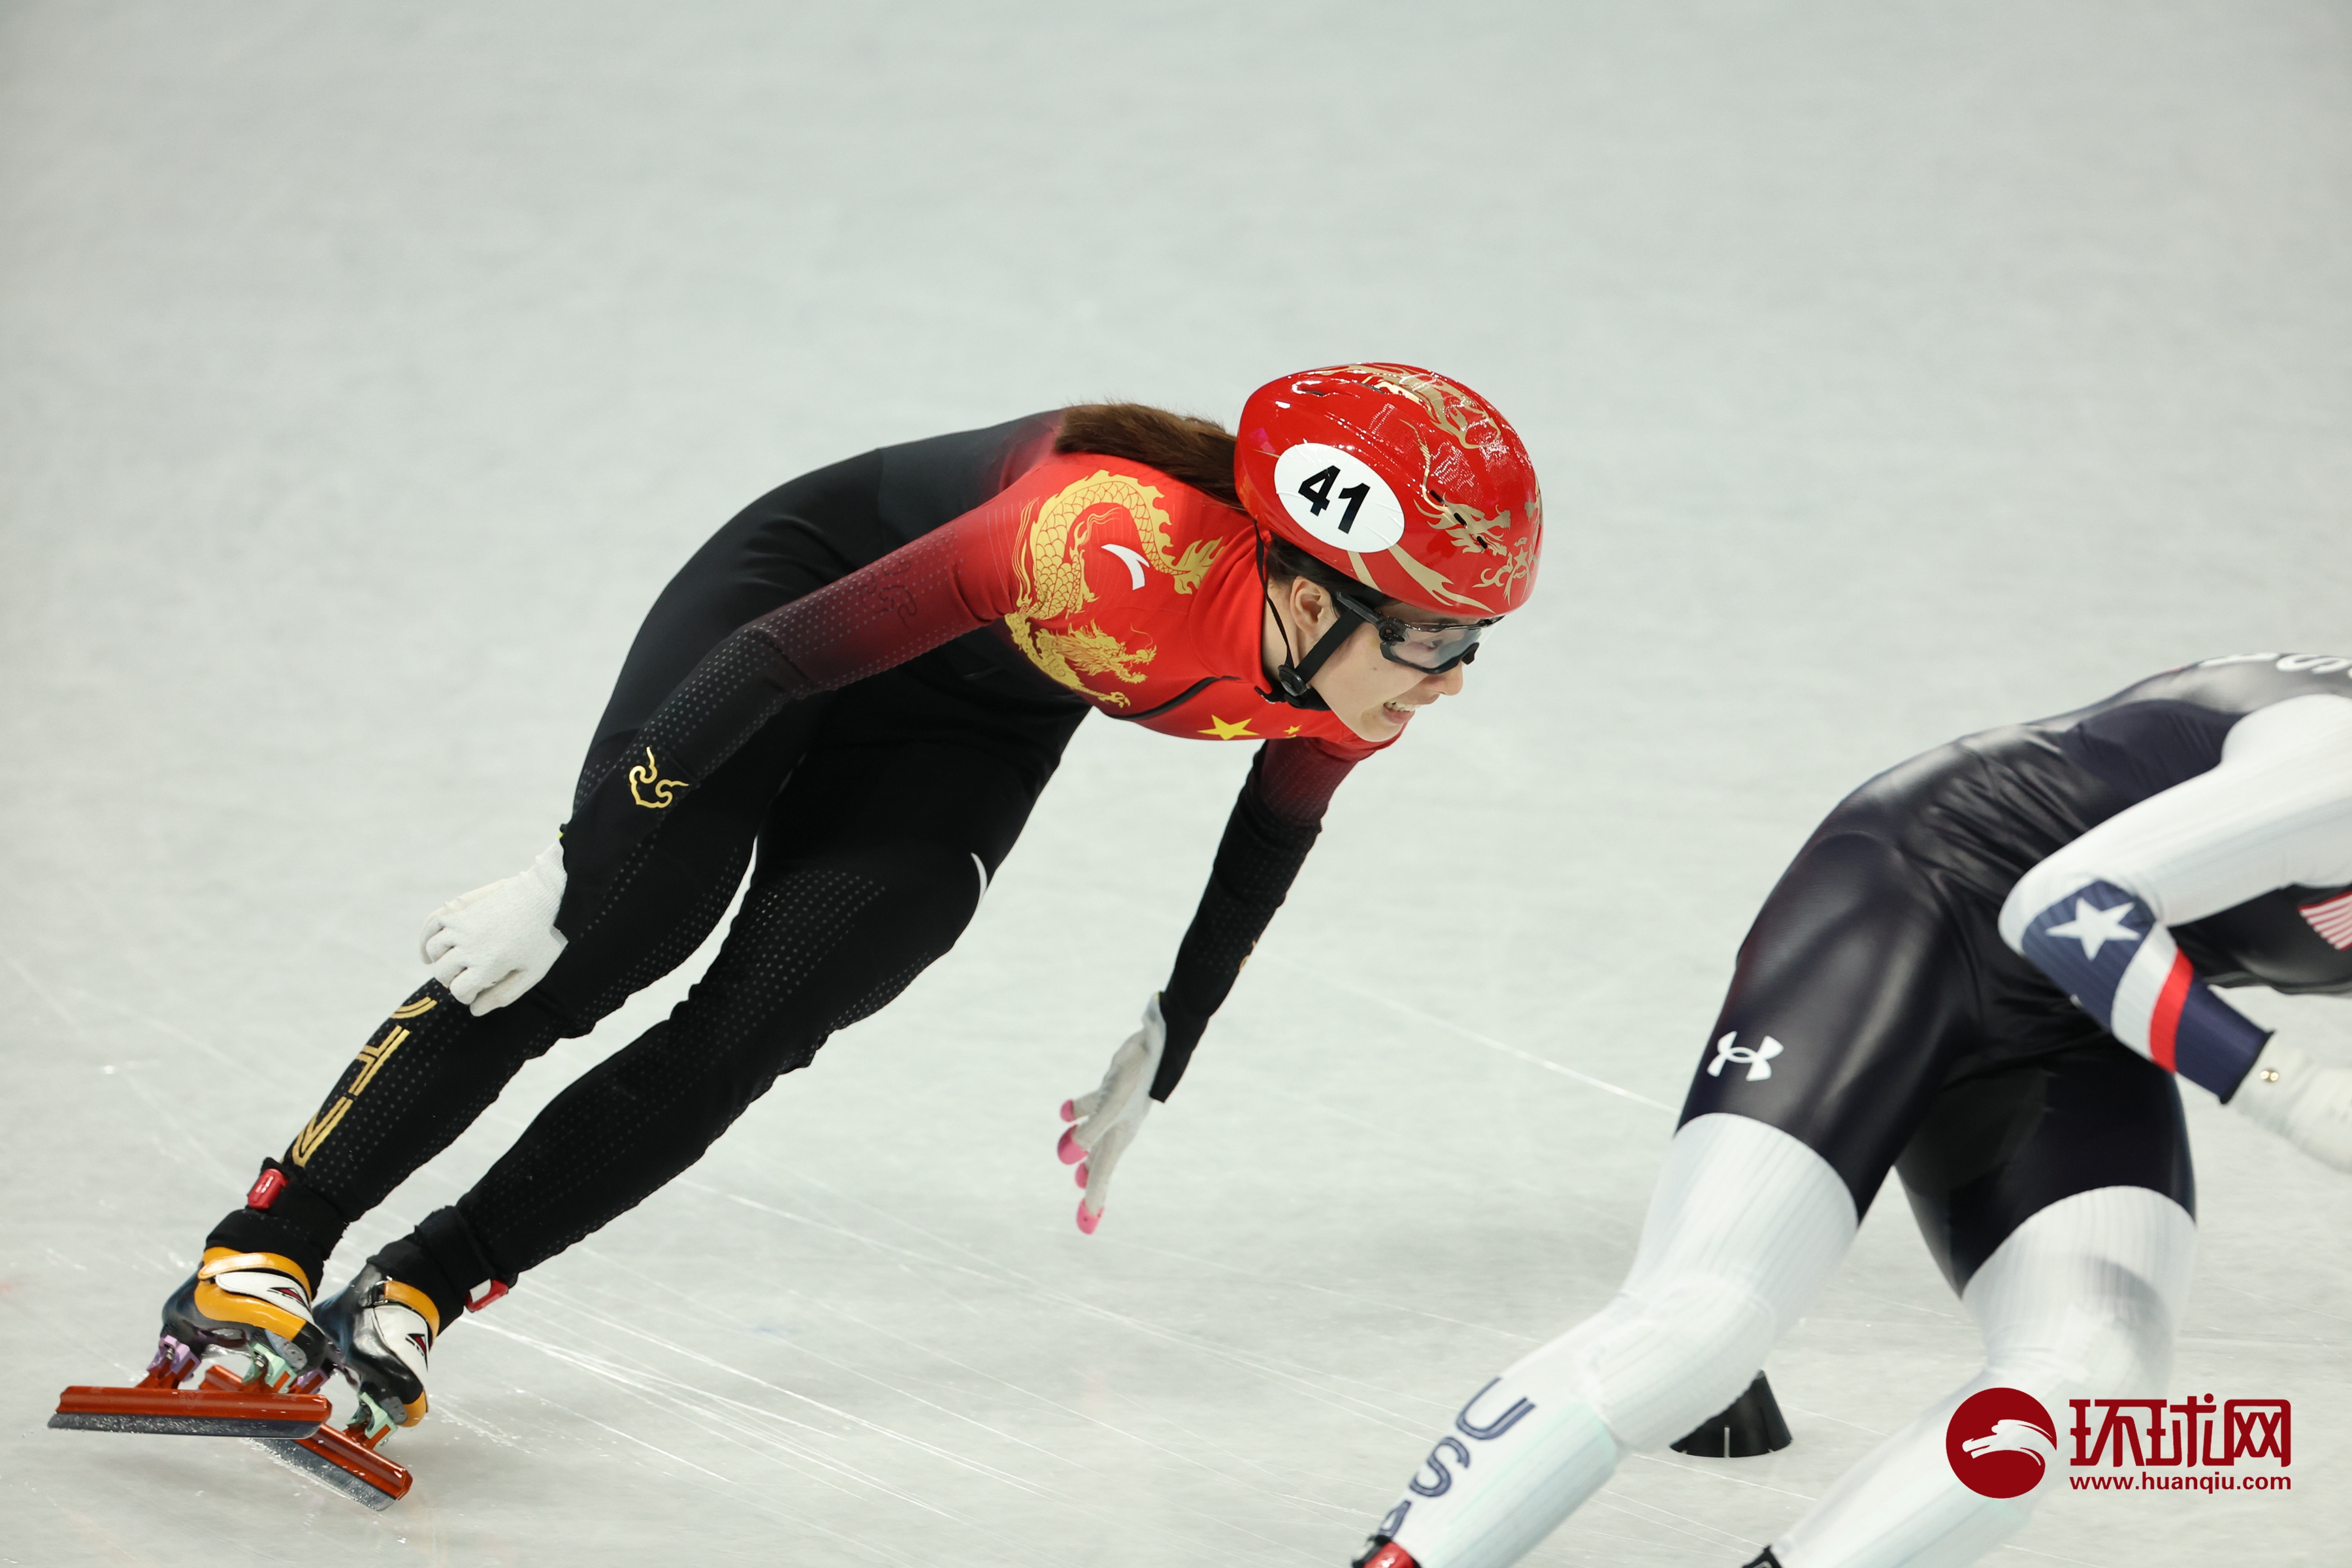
[[1894, 370]]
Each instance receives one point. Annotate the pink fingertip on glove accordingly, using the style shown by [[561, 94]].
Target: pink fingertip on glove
[[1082, 1175], [1069, 1111], [1086, 1222], [1070, 1148]]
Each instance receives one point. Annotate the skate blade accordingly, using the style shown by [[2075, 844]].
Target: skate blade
[[209, 1412], [323, 1465], [332, 1457]]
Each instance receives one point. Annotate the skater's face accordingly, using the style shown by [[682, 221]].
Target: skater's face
[[1371, 693]]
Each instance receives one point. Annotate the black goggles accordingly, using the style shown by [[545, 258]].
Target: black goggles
[[1432, 647]]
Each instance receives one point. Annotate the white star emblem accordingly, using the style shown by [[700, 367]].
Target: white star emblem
[[2096, 928]]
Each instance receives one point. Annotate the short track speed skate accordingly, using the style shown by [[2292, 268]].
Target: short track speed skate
[[254, 1306], [251, 1310]]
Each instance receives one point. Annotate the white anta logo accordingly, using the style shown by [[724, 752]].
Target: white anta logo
[[1756, 1059], [1134, 564], [2012, 1437], [2096, 928]]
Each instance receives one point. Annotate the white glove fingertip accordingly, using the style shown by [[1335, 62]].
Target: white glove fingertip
[[1104, 1159], [469, 985], [1097, 1188], [494, 997]]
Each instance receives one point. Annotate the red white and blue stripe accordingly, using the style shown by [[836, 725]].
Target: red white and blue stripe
[[2332, 919], [2100, 944]]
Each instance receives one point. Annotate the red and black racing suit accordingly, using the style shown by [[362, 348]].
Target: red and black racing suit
[[857, 689]]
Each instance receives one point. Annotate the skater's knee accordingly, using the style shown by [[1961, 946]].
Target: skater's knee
[[1652, 1364], [2094, 1346], [819, 944], [922, 894], [2088, 1293], [778, 1051], [1746, 1221], [823, 942]]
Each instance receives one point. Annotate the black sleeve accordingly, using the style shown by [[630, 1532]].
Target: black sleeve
[[1275, 819]]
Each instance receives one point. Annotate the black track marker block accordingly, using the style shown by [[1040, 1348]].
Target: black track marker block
[[1749, 1426]]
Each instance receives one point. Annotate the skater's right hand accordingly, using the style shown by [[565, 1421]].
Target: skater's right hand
[[491, 945], [1106, 1117]]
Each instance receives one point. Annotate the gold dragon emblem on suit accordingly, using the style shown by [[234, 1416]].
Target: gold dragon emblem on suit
[[1053, 579]]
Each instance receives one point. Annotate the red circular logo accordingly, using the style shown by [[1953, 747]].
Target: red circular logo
[[2001, 1441]]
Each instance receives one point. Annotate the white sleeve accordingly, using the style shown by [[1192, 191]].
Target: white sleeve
[[2275, 812]]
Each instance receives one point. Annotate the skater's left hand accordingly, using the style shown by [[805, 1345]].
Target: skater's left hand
[[2304, 1102], [491, 945], [1108, 1117]]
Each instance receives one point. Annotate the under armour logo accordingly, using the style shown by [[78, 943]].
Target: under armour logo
[[1756, 1059]]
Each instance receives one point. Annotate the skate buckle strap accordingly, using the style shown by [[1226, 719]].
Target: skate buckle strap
[[482, 1295], [266, 1188], [416, 1301], [222, 1261]]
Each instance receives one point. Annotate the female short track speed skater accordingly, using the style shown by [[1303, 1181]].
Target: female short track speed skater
[[1985, 969], [867, 677]]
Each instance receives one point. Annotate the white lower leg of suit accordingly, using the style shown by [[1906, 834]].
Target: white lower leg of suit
[[1746, 1225], [2082, 1300]]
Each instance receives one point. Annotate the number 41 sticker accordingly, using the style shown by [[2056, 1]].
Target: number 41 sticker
[[1337, 499]]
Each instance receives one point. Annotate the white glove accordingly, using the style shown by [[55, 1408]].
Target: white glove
[[1107, 1118], [491, 945], [2308, 1105]]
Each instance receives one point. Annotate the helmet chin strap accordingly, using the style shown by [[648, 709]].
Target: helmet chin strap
[[1295, 677], [1293, 674]]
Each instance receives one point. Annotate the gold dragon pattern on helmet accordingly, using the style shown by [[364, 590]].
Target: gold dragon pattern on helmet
[[1470, 426]]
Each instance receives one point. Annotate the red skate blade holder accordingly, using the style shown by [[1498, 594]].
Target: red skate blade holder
[[342, 1460], [223, 1407]]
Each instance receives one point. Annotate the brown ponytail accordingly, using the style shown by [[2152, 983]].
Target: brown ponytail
[[1193, 451], [1199, 453]]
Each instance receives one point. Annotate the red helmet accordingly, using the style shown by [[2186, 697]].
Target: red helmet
[[1413, 484]]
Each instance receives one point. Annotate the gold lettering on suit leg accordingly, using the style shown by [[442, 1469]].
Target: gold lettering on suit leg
[[375, 1056], [368, 1062], [314, 1131]]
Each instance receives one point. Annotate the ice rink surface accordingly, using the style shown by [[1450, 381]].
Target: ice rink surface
[[1893, 370]]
